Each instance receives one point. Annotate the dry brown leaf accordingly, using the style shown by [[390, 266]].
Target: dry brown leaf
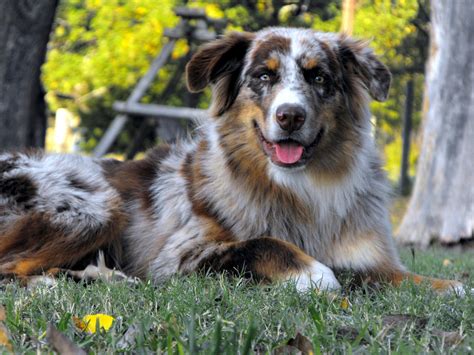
[[79, 323], [449, 338], [347, 332], [61, 343], [4, 334], [297, 345], [397, 320], [287, 350]]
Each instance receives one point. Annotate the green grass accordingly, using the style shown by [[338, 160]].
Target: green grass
[[219, 315]]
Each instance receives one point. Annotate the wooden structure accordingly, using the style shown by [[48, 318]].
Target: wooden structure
[[194, 27]]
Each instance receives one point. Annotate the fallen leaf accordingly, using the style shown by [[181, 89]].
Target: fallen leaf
[[89, 322], [397, 320], [100, 272], [345, 303], [32, 282], [297, 345], [449, 338], [79, 323], [347, 332], [447, 262], [129, 338], [301, 342], [287, 349], [61, 343], [4, 334]]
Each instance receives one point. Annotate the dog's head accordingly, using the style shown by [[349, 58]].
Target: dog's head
[[302, 94]]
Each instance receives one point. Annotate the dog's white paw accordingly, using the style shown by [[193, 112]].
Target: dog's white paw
[[317, 276], [460, 290]]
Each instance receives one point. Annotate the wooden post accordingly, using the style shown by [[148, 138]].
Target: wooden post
[[407, 123], [348, 12]]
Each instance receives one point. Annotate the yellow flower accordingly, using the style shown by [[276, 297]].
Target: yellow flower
[[89, 322]]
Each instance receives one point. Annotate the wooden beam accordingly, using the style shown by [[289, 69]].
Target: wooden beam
[[119, 121], [158, 111], [190, 13]]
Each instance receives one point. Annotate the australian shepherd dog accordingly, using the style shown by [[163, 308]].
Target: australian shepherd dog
[[282, 181]]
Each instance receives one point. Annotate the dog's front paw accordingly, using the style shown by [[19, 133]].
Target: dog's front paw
[[316, 276], [459, 289]]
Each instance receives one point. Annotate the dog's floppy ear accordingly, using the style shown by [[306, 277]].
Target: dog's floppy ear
[[219, 63], [358, 59]]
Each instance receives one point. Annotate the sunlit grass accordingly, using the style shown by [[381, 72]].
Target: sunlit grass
[[214, 314]]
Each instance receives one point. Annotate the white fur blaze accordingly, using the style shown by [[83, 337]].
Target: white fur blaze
[[317, 276]]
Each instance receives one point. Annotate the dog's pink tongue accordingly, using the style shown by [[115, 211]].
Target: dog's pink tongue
[[288, 153]]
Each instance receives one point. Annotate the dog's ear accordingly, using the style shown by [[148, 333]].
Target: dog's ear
[[219, 63], [358, 59]]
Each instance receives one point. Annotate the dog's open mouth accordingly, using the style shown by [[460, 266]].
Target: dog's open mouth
[[287, 153]]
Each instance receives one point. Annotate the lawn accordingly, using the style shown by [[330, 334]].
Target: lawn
[[220, 315]]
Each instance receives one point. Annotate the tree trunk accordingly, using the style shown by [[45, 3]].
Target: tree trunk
[[348, 13], [24, 32], [442, 206], [406, 136]]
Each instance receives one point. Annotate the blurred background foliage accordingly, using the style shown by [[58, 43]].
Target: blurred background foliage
[[100, 48]]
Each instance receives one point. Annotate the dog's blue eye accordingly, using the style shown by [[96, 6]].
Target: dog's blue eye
[[264, 77], [319, 79]]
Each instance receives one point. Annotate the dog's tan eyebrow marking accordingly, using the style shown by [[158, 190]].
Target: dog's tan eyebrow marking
[[272, 63], [310, 63]]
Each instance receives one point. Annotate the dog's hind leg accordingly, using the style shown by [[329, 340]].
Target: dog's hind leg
[[54, 210]]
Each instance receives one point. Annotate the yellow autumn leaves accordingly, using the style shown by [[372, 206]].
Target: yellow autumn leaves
[[91, 323]]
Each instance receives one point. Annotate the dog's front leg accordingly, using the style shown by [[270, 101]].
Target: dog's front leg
[[265, 259]]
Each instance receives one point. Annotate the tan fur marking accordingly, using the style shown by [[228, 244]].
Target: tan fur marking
[[310, 63], [272, 63], [439, 285]]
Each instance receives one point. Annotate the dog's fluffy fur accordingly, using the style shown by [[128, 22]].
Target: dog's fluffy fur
[[226, 200]]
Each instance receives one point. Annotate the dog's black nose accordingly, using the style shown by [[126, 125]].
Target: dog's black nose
[[290, 117]]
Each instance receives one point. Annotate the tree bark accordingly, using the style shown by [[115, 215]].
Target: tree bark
[[24, 32], [348, 14], [406, 136], [442, 206]]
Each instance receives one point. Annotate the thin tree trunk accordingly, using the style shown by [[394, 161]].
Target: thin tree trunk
[[406, 136], [348, 13], [442, 206], [24, 32]]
